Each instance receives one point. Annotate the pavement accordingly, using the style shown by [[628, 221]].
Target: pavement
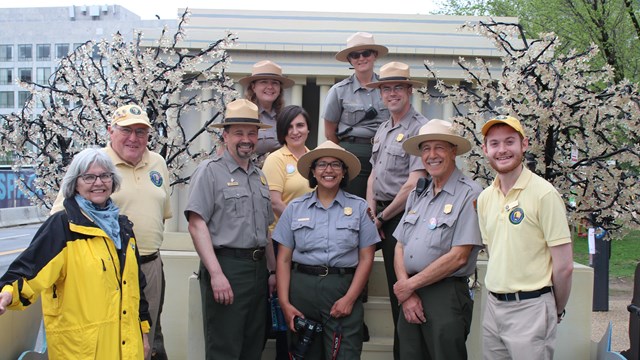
[[620, 294]]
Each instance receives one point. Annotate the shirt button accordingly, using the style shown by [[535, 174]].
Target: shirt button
[[410, 256], [123, 342]]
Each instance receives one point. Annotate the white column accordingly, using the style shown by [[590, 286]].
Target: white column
[[416, 101], [447, 107], [325, 84], [296, 90]]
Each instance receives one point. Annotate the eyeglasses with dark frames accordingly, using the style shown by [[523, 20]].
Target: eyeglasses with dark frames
[[335, 165], [356, 55], [127, 131], [395, 89], [91, 178]]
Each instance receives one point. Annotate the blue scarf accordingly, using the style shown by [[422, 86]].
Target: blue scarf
[[106, 218]]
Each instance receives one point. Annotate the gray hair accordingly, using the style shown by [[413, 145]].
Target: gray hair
[[81, 164]]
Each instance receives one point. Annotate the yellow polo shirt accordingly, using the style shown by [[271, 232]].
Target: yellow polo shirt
[[518, 230], [281, 170]]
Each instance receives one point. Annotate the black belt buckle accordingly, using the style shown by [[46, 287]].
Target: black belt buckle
[[257, 254]]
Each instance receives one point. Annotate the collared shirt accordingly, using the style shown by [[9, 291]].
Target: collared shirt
[[329, 236], [348, 101], [233, 202], [390, 162], [434, 223], [267, 138], [144, 196], [518, 230]]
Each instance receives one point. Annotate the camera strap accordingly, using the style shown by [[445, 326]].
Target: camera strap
[[337, 340]]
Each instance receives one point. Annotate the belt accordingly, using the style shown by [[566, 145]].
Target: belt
[[383, 204], [251, 254], [356, 140], [521, 295], [321, 270], [148, 258]]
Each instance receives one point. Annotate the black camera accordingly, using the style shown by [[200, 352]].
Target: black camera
[[306, 329]]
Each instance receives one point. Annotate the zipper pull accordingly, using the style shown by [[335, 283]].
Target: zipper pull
[[55, 296], [104, 268]]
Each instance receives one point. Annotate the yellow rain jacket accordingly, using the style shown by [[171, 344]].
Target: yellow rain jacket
[[92, 299]]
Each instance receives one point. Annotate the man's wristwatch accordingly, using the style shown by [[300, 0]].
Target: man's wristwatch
[[562, 314], [379, 217]]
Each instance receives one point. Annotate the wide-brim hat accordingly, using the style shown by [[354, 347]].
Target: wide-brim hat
[[329, 148], [130, 115], [266, 69], [241, 112], [394, 73], [361, 41], [436, 129], [504, 119]]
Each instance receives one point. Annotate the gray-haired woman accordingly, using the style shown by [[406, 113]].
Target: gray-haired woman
[[84, 263]]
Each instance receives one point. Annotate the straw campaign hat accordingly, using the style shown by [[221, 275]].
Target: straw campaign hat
[[360, 41], [394, 73], [329, 148], [436, 130], [266, 69], [241, 112]]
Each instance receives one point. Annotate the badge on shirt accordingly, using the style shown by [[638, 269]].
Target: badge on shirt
[[399, 137], [348, 211], [303, 219], [263, 180], [516, 216], [511, 205], [290, 168], [156, 178], [447, 208], [232, 182], [433, 223]]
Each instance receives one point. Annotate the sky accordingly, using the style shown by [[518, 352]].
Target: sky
[[169, 9]]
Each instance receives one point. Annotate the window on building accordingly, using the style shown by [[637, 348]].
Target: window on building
[[6, 76], [42, 75], [25, 74], [43, 52], [77, 45], [6, 99], [62, 50], [25, 52], [23, 96], [6, 52]]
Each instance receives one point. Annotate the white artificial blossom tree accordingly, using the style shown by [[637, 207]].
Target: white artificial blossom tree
[[73, 109], [583, 126]]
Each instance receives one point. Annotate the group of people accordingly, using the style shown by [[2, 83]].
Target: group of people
[[267, 215]]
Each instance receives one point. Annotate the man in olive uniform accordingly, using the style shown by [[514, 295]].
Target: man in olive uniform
[[229, 211], [394, 172]]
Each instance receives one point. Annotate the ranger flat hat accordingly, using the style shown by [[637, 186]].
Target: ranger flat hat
[[130, 115], [241, 112], [266, 69], [394, 73], [436, 129], [503, 119], [329, 148], [360, 41]]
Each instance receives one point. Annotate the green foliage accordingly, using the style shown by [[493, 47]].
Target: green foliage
[[612, 25], [625, 254]]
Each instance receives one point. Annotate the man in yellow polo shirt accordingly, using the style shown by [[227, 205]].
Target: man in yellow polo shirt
[[144, 197], [524, 226]]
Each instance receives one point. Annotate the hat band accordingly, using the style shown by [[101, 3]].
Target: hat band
[[242, 120], [392, 78], [268, 74]]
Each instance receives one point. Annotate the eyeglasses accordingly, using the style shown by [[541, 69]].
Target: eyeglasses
[[91, 178], [140, 133], [355, 55], [395, 89], [335, 165]]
